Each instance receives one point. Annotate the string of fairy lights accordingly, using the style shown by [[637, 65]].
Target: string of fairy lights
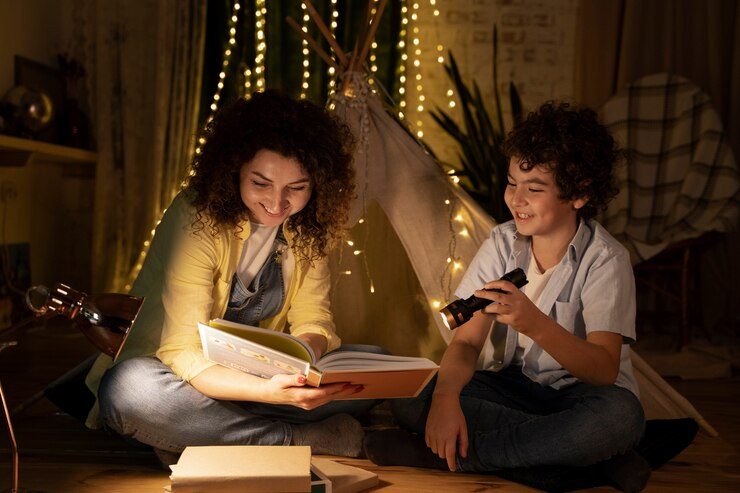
[[410, 86]]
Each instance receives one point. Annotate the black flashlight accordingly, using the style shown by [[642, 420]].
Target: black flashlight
[[460, 311]]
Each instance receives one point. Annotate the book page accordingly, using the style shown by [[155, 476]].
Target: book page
[[361, 361], [241, 354], [280, 341]]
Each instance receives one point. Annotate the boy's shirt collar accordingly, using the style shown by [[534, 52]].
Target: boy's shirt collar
[[580, 241], [575, 250]]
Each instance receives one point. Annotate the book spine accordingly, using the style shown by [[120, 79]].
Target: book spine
[[313, 376]]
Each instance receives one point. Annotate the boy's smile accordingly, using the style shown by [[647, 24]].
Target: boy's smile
[[534, 200]]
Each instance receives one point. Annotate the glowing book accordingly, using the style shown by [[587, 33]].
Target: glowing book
[[265, 353]]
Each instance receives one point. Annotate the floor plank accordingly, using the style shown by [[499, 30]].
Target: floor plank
[[59, 455]]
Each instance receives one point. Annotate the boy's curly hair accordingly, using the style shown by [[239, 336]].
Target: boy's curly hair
[[575, 146], [301, 130]]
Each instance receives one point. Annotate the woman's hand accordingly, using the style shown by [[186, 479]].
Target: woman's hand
[[317, 342], [292, 390], [446, 430], [219, 382]]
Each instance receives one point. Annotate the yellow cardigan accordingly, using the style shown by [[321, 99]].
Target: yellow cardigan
[[186, 279]]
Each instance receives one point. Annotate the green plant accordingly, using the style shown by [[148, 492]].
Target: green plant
[[483, 166]]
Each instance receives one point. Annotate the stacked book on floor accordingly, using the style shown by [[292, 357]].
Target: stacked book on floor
[[264, 469]]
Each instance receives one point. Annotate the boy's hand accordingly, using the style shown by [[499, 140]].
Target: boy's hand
[[512, 307], [446, 430]]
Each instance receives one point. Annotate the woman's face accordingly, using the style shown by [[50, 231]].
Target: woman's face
[[273, 187]]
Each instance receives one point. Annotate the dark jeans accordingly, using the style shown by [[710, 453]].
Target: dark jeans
[[515, 422]]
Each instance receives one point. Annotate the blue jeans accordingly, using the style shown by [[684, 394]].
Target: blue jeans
[[142, 399], [515, 422]]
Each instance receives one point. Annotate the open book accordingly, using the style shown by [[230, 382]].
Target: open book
[[265, 353]]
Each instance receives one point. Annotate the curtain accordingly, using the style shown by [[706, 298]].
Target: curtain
[[620, 41], [145, 60]]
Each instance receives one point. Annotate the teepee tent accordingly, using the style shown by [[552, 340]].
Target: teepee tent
[[413, 232]]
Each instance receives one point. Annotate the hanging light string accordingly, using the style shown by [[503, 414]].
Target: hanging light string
[[260, 41], [228, 52], [457, 219], [402, 35], [248, 76], [439, 49], [453, 261], [373, 56], [415, 50], [361, 96], [306, 61], [361, 91], [142, 255], [331, 71], [215, 101]]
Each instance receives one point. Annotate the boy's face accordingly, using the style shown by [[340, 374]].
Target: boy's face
[[534, 200]]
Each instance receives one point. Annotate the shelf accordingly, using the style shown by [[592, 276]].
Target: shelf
[[15, 151]]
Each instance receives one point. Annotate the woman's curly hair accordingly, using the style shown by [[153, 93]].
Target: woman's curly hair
[[300, 130], [570, 142]]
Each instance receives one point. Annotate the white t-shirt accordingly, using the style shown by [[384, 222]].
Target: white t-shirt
[[257, 248], [533, 289]]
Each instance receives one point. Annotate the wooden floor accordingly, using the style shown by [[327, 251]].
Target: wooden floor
[[58, 455]]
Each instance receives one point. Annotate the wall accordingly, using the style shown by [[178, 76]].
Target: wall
[[46, 213], [26, 29], [536, 50], [31, 28]]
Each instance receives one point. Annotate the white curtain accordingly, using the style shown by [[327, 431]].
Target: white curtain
[[145, 60]]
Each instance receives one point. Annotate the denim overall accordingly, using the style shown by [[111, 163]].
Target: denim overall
[[266, 293]]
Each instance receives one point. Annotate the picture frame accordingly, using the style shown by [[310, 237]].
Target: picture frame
[[49, 80]]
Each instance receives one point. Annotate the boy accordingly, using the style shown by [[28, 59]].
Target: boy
[[558, 390]]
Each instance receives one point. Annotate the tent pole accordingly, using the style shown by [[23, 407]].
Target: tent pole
[[311, 42], [370, 35], [326, 33]]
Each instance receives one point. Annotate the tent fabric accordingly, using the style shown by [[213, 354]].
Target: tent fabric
[[681, 179], [437, 225]]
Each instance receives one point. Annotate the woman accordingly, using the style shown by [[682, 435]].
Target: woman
[[246, 240]]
